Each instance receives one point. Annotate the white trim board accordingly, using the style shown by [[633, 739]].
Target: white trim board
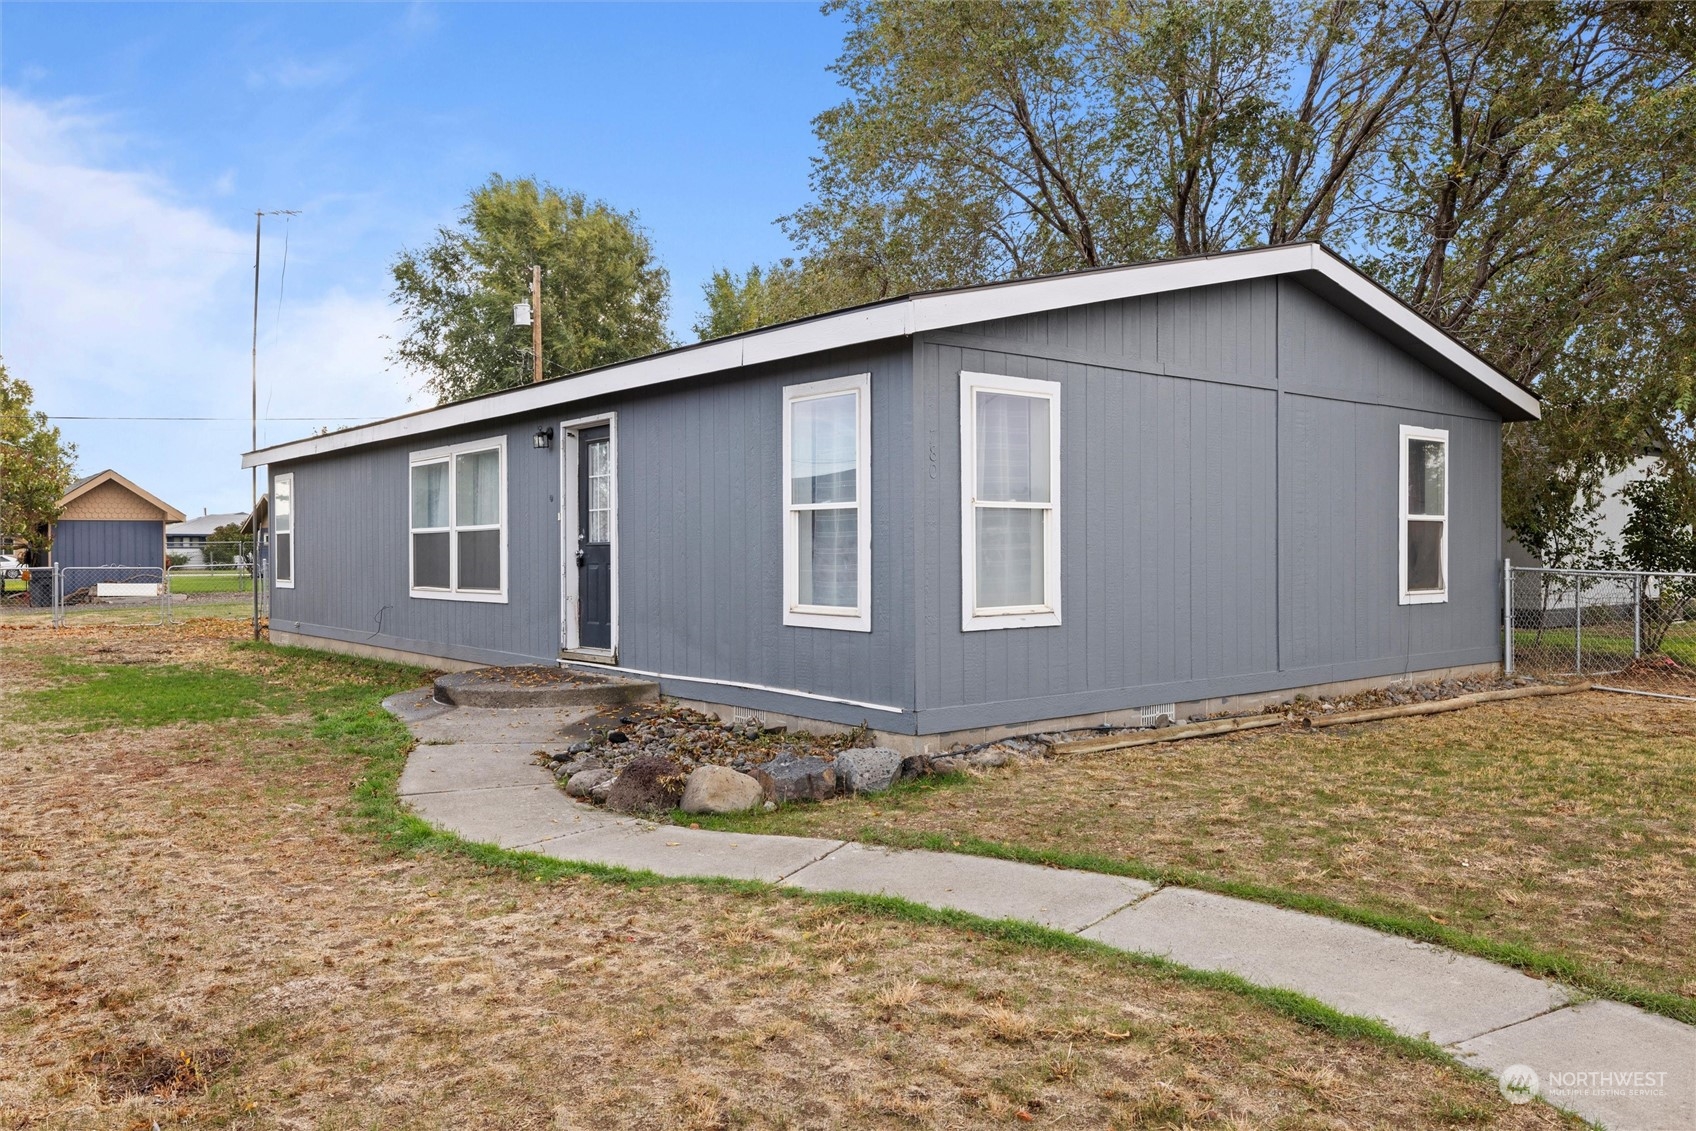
[[795, 614], [570, 629], [920, 313], [1406, 596]]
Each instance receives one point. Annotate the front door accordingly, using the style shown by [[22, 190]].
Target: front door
[[594, 537]]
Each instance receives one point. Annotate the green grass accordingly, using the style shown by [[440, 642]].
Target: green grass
[[93, 696], [1612, 642], [212, 581]]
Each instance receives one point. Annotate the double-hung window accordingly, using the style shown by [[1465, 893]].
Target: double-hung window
[[827, 491], [282, 530], [458, 504], [1010, 508], [1424, 515]]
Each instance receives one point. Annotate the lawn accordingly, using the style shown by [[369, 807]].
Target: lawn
[[212, 914], [210, 581], [1557, 833]]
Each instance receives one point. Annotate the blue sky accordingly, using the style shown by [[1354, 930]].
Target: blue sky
[[137, 140]]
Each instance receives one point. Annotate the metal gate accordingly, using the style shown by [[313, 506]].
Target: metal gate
[[1621, 630], [110, 595]]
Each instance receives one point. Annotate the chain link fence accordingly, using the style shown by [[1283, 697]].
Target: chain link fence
[[216, 590], [1620, 630], [110, 595], [132, 595]]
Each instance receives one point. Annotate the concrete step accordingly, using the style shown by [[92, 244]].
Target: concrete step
[[541, 686]]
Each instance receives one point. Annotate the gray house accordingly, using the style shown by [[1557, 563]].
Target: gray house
[[1071, 498]]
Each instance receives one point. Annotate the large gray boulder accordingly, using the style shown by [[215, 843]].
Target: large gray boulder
[[648, 785], [788, 778], [720, 789], [867, 769]]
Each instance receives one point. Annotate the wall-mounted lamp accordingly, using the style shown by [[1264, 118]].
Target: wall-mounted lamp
[[543, 439]]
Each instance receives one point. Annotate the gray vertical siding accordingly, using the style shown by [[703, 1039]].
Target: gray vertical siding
[[700, 547], [700, 497], [1228, 495], [1229, 508], [96, 542]]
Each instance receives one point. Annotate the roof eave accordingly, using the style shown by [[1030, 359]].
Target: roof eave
[[902, 317]]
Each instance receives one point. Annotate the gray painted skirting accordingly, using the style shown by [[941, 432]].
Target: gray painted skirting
[[430, 649], [938, 720], [941, 720]]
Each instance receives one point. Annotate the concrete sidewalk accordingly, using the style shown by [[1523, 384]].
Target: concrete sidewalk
[[474, 774]]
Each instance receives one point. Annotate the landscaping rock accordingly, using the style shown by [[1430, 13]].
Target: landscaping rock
[[867, 769], [947, 764], [618, 737], [582, 782], [987, 759], [648, 785], [915, 766], [599, 791], [578, 748], [719, 789], [788, 778]]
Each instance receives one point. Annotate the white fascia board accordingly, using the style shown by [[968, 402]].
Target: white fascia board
[[1405, 319], [903, 317], [851, 327], [1033, 296]]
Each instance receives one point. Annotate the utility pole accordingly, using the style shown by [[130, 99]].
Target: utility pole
[[536, 322], [253, 389]]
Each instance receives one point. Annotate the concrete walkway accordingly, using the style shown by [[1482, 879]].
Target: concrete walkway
[[474, 774]]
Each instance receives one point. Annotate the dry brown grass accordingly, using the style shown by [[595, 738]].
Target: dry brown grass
[[1567, 824], [191, 934]]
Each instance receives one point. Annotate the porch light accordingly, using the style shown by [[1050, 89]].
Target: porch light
[[543, 439]]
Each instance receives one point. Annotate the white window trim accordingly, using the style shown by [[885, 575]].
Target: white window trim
[[972, 618], [446, 455], [570, 636], [1422, 596], [795, 614], [294, 531]]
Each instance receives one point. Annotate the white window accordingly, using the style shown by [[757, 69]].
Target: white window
[[1010, 502], [282, 530], [827, 509], [1424, 515], [458, 504]]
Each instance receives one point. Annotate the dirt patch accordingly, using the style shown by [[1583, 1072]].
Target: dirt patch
[[135, 1068]]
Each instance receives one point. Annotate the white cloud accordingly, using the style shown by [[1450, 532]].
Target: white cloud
[[120, 298], [297, 74]]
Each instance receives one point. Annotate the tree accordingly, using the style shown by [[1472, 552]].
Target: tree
[[224, 543], [35, 466], [603, 294], [1659, 538], [1522, 174]]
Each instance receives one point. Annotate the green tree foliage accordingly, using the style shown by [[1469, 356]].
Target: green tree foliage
[[1522, 174], [603, 293], [224, 543], [1656, 537], [35, 465]]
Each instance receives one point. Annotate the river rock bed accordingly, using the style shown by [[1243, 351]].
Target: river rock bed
[[787, 765]]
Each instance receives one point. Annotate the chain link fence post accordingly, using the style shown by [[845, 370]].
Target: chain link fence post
[[1507, 616]]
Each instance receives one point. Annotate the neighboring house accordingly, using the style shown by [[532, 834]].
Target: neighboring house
[[1061, 499], [259, 520], [1611, 514], [189, 538], [106, 520]]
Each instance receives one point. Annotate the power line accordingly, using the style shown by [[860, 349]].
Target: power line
[[55, 416]]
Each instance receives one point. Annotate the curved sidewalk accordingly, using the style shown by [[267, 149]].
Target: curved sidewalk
[[473, 773]]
